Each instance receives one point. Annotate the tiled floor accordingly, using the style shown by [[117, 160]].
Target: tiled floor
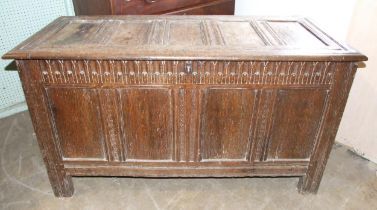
[[350, 182]]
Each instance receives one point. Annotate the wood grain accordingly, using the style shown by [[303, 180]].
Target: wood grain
[[344, 76], [302, 108], [77, 122], [61, 182], [147, 123], [226, 122]]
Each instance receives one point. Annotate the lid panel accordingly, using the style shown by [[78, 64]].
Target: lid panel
[[75, 33], [182, 38], [129, 33], [240, 33], [185, 33], [293, 33]]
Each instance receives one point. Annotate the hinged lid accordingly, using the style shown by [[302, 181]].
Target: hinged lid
[[183, 38]]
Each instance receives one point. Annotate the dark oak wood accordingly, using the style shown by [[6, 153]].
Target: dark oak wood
[[296, 143], [92, 7], [61, 181], [85, 124], [148, 129], [340, 90], [177, 96], [154, 7], [226, 108]]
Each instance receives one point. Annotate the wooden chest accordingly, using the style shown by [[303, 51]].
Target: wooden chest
[[175, 96], [154, 7]]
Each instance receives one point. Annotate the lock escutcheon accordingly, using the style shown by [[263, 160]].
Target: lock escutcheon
[[188, 67]]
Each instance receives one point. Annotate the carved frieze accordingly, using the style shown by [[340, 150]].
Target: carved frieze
[[185, 72]]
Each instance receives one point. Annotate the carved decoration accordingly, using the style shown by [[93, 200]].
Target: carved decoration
[[175, 72]]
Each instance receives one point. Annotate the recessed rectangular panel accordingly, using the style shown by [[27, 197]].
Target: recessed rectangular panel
[[147, 123], [240, 33], [293, 33], [76, 32], [77, 120], [296, 123], [225, 123], [186, 33], [131, 33]]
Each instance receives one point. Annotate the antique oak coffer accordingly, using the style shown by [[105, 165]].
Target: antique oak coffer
[[175, 96]]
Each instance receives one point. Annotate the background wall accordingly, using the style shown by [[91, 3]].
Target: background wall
[[358, 128], [18, 20]]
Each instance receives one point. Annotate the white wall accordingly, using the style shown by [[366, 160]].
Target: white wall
[[358, 128], [353, 21]]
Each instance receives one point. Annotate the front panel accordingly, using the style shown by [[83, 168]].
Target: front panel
[[296, 120], [242, 113], [226, 123], [77, 121], [147, 123]]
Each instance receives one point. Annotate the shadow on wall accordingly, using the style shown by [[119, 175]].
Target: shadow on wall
[[12, 66]]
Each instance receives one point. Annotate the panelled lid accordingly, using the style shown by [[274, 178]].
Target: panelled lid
[[183, 37]]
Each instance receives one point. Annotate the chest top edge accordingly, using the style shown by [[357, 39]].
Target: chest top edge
[[183, 38]]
